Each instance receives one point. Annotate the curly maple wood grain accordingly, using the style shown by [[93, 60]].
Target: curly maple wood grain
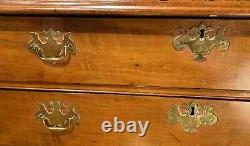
[[19, 127], [124, 52]]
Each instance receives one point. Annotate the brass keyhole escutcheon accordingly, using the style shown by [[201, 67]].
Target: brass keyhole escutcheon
[[192, 116], [199, 42]]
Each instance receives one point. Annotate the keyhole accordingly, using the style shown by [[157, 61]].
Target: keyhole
[[192, 111], [202, 33]]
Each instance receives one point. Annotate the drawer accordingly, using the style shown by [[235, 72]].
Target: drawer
[[134, 52], [20, 127]]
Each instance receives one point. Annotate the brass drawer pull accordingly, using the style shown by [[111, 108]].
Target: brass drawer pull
[[58, 117], [51, 46], [193, 117], [201, 40]]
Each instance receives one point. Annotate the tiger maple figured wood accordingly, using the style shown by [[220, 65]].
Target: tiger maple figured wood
[[19, 127], [124, 67], [124, 52], [212, 8]]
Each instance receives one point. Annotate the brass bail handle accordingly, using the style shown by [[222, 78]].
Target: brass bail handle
[[200, 40], [58, 117], [52, 47], [192, 116]]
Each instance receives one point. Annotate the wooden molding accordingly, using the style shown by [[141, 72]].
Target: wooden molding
[[190, 8]]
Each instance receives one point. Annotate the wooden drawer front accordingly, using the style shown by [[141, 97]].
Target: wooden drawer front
[[125, 51], [19, 126]]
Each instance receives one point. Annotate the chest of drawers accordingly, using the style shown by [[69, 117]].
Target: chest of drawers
[[68, 66]]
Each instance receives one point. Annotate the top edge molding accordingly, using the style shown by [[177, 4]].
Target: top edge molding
[[127, 8]]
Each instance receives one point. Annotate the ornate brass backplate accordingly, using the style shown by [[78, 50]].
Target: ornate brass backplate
[[58, 117], [191, 116], [201, 40], [51, 46]]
